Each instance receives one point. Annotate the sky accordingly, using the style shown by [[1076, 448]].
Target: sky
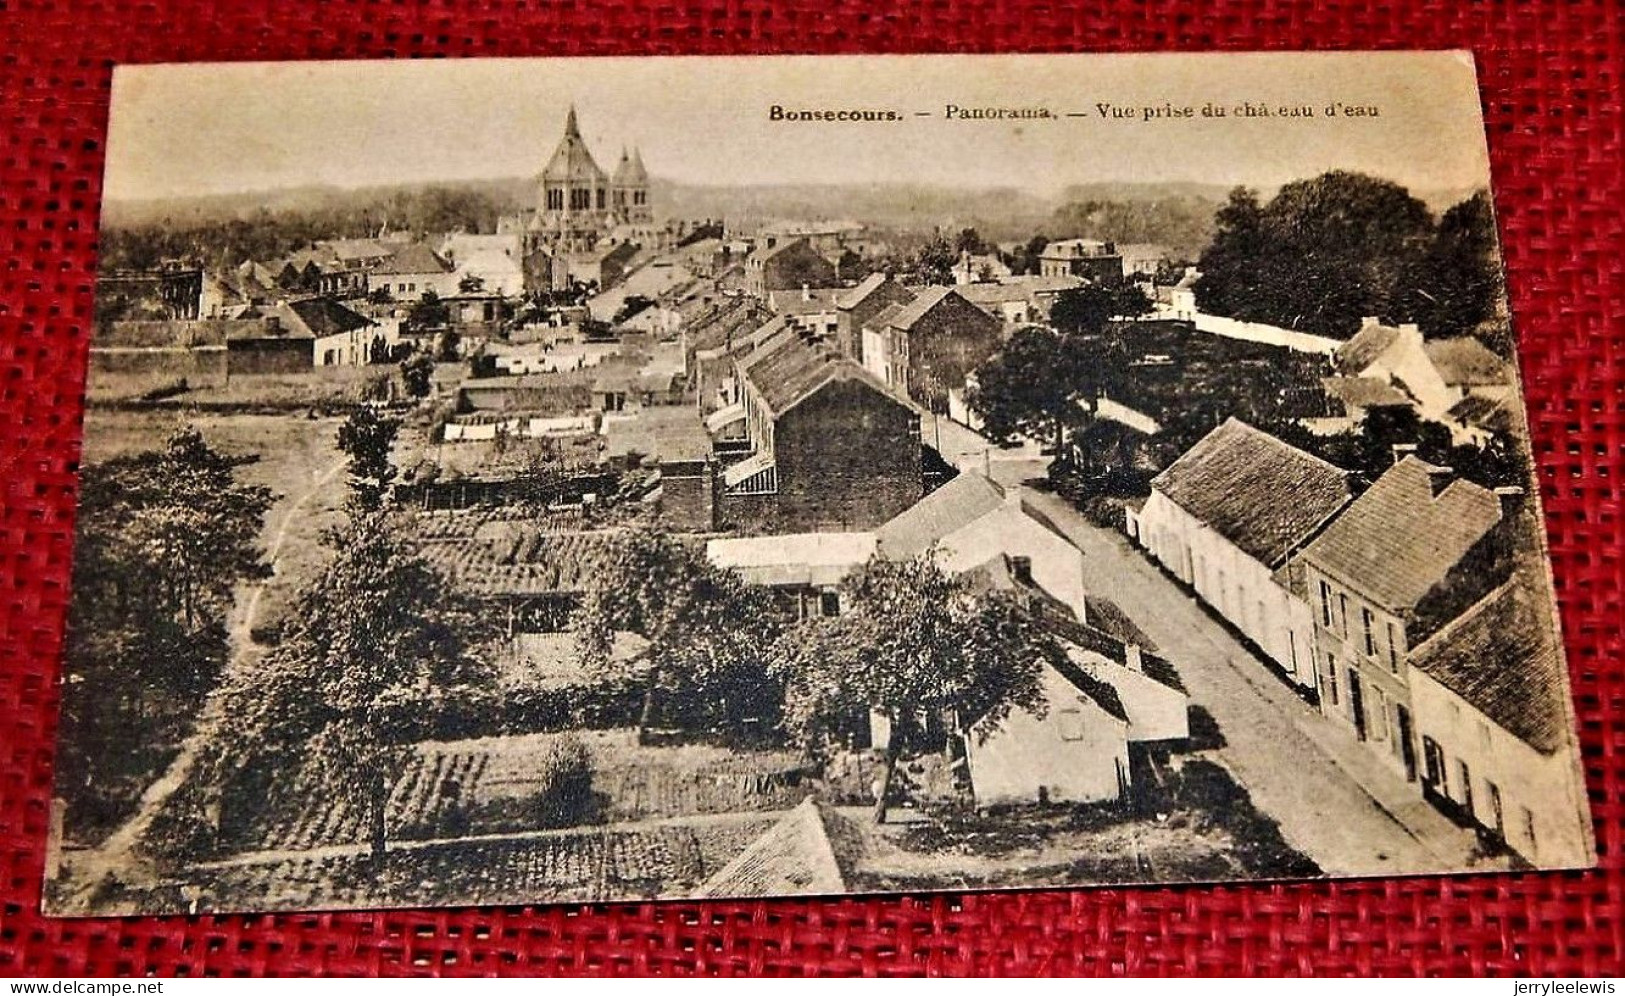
[[180, 130]]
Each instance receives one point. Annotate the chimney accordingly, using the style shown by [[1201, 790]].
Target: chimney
[[1131, 657], [1369, 321], [1511, 499], [1403, 450], [806, 292], [1439, 478]]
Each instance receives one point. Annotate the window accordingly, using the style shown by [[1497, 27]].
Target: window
[[1393, 648], [1529, 829], [1367, 621], [1343, 614], [1433, 769], [600, 200], [1495, 807], [1069, 723], [555, 200], [829, 603], [1466, 775], [1379, 715], [1331, 677], [1484, 734], [1325, 605]]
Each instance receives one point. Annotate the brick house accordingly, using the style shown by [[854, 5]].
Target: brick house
[[830, 448], [1090, 259], [789, 265], [855, 307], [928, 347]]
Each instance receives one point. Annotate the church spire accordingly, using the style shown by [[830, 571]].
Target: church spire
[[571, 129]]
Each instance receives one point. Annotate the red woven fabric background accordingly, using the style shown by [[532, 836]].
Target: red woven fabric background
[[1551, 78]]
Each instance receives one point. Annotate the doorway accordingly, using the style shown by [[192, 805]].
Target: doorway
[[1407, 749]]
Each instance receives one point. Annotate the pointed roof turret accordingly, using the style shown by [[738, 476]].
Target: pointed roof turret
[[571, 162], [636, 172], [623, 170]]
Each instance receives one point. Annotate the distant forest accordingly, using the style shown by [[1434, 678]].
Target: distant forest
[[223, 230]]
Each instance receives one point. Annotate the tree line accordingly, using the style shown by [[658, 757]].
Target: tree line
[[1327, 251]]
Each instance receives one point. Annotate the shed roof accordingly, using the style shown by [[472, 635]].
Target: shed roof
[[1259, 493], [414, 258], [1366, 347]]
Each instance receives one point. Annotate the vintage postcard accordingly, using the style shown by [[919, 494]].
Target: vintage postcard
[[593, 480]]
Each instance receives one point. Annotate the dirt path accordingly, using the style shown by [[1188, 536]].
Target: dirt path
[[115, 854]]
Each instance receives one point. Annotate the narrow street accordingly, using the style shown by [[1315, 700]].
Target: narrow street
[[1335, 805]]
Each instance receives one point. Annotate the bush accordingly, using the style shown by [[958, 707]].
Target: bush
[[562, 795]]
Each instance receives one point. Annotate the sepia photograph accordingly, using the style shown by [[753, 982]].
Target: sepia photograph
[[585, 480]]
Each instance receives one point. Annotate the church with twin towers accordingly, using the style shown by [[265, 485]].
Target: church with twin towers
[[587, 223]]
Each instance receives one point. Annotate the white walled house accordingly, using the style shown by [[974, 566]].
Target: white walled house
[[1438, 373], [411, 273], [1495, 727], [1226, 517], [971, 520], [1374, 578], [1077, 752]]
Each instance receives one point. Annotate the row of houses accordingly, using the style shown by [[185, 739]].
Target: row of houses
[[1416, 613]]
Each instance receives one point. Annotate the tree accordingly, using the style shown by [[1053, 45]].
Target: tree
[[706, 630], [372, 642], [969, 240], [1463, 270], [1323, 253], [917, 647], [933, 262], [447, 345], [417, 373], [1030, 386], [1089, 308], [428, 312], [367, 438], [164, 538]]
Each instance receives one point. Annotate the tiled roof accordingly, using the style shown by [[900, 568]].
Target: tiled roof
[[802, 854], [1364, 392], [321, 316], [1503, 657], [814, 300], [855, 296], [939, 514], [1103, 694], [908, 314], [669, 433], [414, 258], [1096, 641], [1463, 361], [1491, 413], [1256, 491], [1398, 540], [788, 368], [1366, 347], [766, 254]]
